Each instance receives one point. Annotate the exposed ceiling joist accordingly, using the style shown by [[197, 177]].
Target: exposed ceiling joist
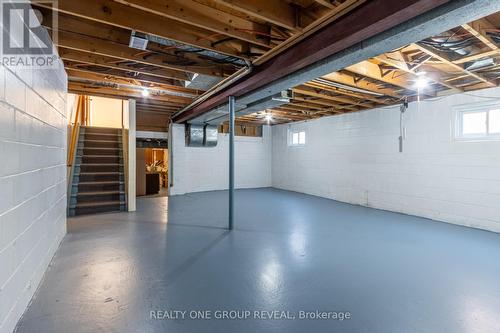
[[351, 105], [400, 64], [205, 17], [313, 98], [95, 36], [314, 27], [444, 58], [122, 78], [367, 20], [90, 88], [361, 83], [119, 64], [374, 71], [479, 28], [307, 106], [346, 92], [100, 47], [115, 35], [123, 16], [325, 3], [274, 11], [473, 57]]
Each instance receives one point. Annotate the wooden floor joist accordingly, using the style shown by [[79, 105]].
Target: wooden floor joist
[[443, 58], [360, 82], [205, 17], [92, 89], [276, 12], [403, 66], [215, 38], [121, 78], [97, 46], [120, 15], [120, 64]]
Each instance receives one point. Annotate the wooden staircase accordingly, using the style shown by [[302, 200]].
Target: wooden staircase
[[98, 178]]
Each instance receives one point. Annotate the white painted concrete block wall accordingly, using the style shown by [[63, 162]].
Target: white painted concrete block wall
[[354, 158], [32, 182], [206, 169]]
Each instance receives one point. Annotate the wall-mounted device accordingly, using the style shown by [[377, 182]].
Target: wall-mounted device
[[402, 128]]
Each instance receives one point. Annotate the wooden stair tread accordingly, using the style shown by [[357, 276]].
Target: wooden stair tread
[[101, 141], [102, 132], [99, 204], [95, 156], [101, 129], [105, 182], [99, 164], [99, 193], [102, 185], [101, 173]]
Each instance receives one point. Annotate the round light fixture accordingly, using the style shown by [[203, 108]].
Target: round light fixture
[[145, 92], [421, 82]]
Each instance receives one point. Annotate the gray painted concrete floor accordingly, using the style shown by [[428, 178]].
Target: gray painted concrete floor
[[290, 252]]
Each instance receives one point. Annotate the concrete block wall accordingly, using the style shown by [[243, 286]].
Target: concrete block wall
[[206, 169], [354, 158], [32, 182]]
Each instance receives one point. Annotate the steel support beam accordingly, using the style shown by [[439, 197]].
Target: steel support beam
[[432, 22], [231, 162]]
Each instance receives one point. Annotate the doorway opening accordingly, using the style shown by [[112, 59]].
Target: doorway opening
[[152, 171]]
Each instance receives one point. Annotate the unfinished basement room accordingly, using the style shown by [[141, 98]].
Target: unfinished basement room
[[215, 166]]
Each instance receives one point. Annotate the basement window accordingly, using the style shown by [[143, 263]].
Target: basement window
[[479, 123], [297, 138]]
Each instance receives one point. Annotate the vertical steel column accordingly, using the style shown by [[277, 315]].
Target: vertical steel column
[[231, 162]]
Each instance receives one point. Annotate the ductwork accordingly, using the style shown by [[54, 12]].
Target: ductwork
[[201, 135], [202, 82], [345, 87], [451, 44], [218, 87], [480, 64], [182, 48]]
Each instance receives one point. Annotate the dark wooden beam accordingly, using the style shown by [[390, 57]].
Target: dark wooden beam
[[364, 22]]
